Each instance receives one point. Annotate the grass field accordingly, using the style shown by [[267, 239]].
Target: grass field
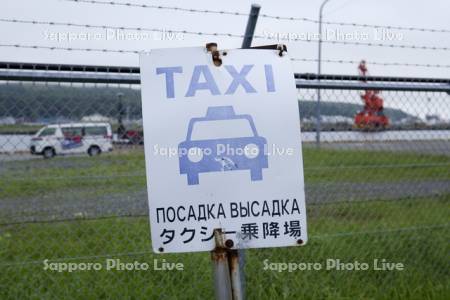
[[19, 129], [126, 171], [411, 231], [32, 129]]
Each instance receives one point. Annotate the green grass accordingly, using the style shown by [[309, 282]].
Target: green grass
[[373, 166], [410, 231], [103, 175], [32, 129], [19, 129], [122, 172]]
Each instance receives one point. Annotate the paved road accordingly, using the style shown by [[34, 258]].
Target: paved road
[[11, 143], [379, 136], [438, 147], [70, 205], [424, 147]]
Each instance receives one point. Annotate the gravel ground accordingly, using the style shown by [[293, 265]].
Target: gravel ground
[[71, 205], [441, 147]]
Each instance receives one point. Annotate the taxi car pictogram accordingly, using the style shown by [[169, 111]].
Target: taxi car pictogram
[[222, 153]]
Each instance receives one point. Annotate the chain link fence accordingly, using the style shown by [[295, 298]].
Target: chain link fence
[[73, 194]]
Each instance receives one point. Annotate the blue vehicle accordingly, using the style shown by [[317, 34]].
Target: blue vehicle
[[221, 150]]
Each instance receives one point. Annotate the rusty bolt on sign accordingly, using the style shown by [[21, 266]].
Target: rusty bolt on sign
[[212, 47]]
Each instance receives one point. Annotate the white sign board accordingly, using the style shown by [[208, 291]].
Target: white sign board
[[222, 149]]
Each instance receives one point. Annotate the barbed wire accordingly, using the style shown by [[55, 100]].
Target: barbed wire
[[123, 51], [354, 62], [81, 177], [390, 27], [354, 24], [353, 43], [90, 26], [201, 33], [402, 46], [382, 231], [139, 174], [69, 48], [71, 258], [162, 7], [383, 166], [237, 13], [149, 252]]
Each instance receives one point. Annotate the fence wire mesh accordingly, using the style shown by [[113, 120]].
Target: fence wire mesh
[[372, 194]]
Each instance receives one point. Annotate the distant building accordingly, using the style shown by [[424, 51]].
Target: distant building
[[95, 118], [410, 120], [50, 120], [433, 120], [7, 121], [332, 119]]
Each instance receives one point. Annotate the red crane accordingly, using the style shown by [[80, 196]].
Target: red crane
[[372, 116]]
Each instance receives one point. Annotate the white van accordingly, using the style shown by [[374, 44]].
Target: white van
[[72, 138]]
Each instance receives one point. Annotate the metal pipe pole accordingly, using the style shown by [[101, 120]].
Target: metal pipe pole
[[235, 274], [319, 70], [222, 281], [438, 88], [236, 269], [251, 24]]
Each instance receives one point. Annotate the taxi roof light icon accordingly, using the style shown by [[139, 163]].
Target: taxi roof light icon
[[220, 112], [248, 151]]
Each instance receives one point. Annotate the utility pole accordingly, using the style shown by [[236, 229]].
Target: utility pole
[[319, 71]]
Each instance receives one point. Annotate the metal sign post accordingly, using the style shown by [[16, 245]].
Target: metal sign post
[[222, 280], [227, 274], [227, 270], [224, 154], [251, 25], [236, 274]]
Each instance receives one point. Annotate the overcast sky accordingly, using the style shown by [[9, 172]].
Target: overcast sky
[[409, 13], [428, 14]]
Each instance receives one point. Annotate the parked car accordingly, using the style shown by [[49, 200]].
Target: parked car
[[72, 138], [133, 137]]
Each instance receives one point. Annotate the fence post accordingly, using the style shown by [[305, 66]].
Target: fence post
[[319, 69], [318, 117], [222, 281], [251, 24]]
